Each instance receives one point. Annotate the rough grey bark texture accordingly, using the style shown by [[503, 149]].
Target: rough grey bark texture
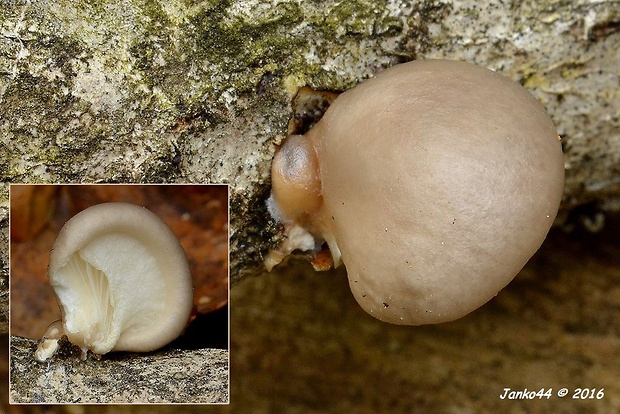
[[175, 91], [171, 376]]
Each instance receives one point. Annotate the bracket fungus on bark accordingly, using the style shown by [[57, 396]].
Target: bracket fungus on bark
[[434, 183], [122, 281]]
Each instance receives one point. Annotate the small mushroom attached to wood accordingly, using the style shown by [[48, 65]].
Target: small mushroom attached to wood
[[122, 281], [434, 183]]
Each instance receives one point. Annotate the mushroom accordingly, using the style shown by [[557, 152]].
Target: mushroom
[[434, 183], [122, 281]]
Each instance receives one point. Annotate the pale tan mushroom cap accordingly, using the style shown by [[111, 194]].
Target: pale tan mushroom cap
[[440, 179], [121, 278]]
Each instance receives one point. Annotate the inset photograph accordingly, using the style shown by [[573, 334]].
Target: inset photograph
[[119, 294]]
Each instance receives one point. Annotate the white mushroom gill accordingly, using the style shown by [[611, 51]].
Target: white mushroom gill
[[111, 269], [92, 295], [121, 279]]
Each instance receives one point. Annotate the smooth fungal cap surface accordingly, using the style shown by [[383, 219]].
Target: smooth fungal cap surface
[[440, 179], [121, 278]]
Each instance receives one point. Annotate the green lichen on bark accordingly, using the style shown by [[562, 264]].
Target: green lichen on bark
[[171, 91], [89, 76]]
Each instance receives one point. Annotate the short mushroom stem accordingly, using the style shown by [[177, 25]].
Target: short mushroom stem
[[49, 343]]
